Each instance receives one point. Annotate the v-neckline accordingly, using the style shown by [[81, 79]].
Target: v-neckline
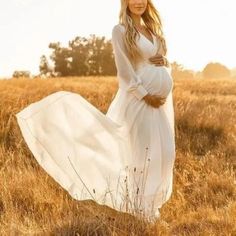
[[153, 43]]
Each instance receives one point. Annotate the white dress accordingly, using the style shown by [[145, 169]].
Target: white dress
[[124, 158]]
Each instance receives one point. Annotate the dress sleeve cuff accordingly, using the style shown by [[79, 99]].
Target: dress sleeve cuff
[[140, 92]]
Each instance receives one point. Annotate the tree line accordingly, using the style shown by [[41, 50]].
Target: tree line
[[94, 56]]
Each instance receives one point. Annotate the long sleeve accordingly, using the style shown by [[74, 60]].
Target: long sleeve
[[126, 74]]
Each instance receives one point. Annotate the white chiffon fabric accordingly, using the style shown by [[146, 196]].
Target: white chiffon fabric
[[124, 158]]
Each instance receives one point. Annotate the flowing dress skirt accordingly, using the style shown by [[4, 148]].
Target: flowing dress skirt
[[123, 159]]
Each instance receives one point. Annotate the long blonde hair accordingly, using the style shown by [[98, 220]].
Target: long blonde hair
[[152, 21]]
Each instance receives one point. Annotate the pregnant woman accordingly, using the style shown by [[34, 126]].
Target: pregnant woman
[[125, 158]]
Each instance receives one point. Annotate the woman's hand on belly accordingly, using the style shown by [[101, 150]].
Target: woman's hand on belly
[[154, 100], [159, 60]]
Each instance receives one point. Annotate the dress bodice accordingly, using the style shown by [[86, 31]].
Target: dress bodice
[[145, 77], [156, 79], [148, 48]]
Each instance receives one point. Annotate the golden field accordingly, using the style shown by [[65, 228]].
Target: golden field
[[203, 201]]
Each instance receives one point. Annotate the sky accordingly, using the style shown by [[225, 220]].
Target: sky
[[197, 32]]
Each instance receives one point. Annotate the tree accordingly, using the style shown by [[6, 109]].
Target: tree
[[44, 66], [78, 57], [178, 71], [21, 73], [107, 60], [60, 58], [215, 70], [95, 48]]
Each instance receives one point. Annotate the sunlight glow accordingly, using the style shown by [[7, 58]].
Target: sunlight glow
[[197, 32]]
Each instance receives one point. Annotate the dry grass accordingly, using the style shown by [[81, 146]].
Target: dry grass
[[203, 201]]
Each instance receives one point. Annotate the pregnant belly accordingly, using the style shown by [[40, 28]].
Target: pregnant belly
[[157, 80]]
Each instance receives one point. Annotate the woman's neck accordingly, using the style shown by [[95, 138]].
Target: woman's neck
[[137, 20]]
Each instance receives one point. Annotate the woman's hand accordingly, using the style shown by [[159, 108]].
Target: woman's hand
[[159, 60], [154, 100]]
